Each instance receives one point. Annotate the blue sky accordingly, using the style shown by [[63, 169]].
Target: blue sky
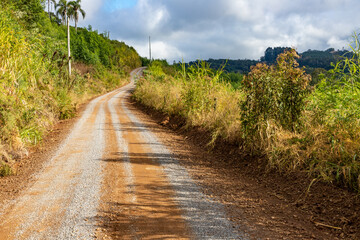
[[113, 6], [232, 29]]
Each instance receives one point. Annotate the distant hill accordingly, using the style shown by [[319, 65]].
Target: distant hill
[[310, 59]]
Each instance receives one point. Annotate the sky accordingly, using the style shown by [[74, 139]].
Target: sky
[[228, 29]]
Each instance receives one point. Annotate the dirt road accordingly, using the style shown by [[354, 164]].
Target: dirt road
[[112, 179]]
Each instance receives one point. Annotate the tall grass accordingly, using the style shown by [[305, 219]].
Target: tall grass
[[197, 94], [273, 113]]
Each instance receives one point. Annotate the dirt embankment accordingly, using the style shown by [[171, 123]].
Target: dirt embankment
[[263, 203], [272, 205], [111, 178]]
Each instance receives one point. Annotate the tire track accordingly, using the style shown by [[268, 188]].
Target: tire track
[[112, 179], [149, 210], [169, 205], [206, 218]]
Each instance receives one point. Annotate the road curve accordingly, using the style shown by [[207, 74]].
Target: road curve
[[112, 179]]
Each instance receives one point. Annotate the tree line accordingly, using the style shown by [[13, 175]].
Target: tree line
[[310, 59]]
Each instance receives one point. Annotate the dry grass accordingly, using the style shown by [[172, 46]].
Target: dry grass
[[220, 115], [323, 144]]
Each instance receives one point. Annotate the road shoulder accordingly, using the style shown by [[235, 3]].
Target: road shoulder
[[268, 204], [28, 167]]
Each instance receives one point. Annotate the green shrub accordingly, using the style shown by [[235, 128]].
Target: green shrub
[[274, 93], [200, 82]]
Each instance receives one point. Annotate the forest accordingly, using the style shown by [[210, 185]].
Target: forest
[[36, 88]]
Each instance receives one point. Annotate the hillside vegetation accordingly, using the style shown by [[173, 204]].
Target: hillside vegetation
[[35, 87], [273, 113]]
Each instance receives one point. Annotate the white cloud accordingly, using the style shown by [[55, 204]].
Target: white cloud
[[92, 8], [227, 28], [159, 49], [153, 16]]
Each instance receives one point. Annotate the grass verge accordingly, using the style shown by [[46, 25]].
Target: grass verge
[[274, 114]]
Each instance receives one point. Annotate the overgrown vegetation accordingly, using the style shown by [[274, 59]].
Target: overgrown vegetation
[[273, 113], [35, 88]]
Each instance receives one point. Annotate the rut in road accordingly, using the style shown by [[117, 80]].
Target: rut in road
[[112, 178]]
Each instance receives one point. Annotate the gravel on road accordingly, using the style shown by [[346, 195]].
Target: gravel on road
[[111, 178]]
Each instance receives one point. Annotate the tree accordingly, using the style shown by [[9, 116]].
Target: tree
[[75, 11], [64, 9]]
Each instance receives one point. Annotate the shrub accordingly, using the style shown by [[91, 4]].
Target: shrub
[[275, 93]]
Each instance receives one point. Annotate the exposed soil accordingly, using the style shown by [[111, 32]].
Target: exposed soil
[[264, 203], [28, 166], [138, 205], [267, 204]]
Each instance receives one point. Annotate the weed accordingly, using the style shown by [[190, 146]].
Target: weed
[[5, 170], [30, 135]]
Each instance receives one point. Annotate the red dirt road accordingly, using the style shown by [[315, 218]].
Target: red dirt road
[[116, 172]]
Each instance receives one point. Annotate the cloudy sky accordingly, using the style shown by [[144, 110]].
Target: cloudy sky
[[231, 29]]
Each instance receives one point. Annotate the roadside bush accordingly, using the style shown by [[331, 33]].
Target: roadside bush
[[334, 108], [275, 93]]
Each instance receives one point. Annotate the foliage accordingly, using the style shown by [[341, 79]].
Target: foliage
[[334, 107], [36, 90], [198, 93], [5, 170], [235, 79], [272, 114], [237, 66], [145, 62], [75, 11], [200, 82], [30, 12], [63, 9], [93, 48], [271, 54], [274, 93]]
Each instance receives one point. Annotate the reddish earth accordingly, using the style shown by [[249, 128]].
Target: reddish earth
[[267, 204], [150, 211], [27, 167]]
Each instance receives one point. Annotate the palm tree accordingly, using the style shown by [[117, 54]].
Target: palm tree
[[69, 10], [76, 10], [64, 10], [63, 7]]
